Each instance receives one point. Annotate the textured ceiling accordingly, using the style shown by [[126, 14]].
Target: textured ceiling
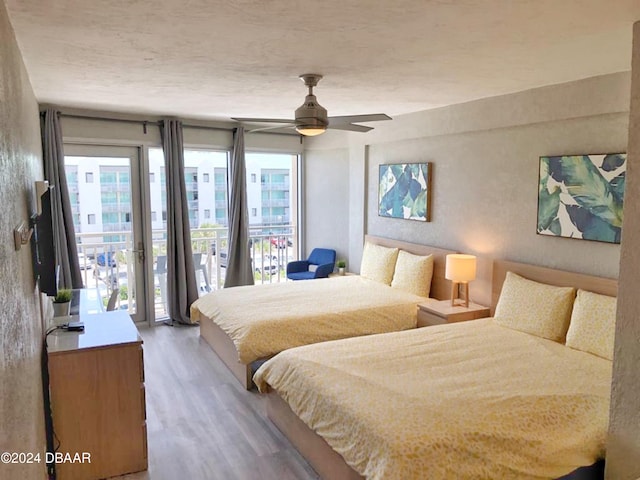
[[219, 59]]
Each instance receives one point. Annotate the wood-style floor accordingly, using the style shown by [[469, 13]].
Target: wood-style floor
[[201, 424]]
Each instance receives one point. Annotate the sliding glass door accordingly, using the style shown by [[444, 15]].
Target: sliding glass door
[[119, 202], [106, 202]]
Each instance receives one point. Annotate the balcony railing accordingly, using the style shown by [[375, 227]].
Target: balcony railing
[[276, 186], [275, 202], [107, 265]]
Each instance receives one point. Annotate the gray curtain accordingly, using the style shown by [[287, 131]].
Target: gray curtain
[[182, 289], [239, 270], [63, 231]]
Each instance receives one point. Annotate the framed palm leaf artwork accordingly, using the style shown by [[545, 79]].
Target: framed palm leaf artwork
[[404, 191], [581, 196]]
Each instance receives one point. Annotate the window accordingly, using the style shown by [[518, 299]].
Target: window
[[278, 191], [152, 177], [88, 177], [108, 177], [253, 178], [221, 177], [254, 212], [109, 198], [164, 215], [154, 216], [110, 217], [207, 197], [91, 219]]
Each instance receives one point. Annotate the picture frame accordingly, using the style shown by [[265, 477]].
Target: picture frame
[[404, 191], [582, 196]]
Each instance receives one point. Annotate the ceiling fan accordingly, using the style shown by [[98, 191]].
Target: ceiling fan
[[311, 118]]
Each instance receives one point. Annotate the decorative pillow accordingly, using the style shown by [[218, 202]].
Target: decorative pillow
[[535, 308], [378, 263], [593, 324], [413, 273], [313, 268]]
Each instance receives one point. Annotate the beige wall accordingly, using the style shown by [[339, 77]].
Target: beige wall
[[623, 453], [326, 198], [485, 157], [21, 410]]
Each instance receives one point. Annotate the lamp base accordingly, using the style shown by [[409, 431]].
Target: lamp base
[[455, 291]]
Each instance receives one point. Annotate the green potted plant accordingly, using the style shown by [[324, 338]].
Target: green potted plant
[[62, 303], [342, 265]]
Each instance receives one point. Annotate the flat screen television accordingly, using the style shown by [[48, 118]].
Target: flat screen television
[[45, 263]]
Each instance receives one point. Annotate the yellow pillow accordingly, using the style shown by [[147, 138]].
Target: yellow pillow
[[593, 324], [535, 308], [413, 273], [378, 263]]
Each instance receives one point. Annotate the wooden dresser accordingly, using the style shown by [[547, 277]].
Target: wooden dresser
[[98, 397]]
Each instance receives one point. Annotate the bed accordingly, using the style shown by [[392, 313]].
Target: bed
[[471, 400], [244, 325]]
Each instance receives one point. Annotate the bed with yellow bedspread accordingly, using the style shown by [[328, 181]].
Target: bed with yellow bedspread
[[263, 320], [467, 401]]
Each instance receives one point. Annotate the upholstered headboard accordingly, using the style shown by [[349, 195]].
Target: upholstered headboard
[[440, 286]]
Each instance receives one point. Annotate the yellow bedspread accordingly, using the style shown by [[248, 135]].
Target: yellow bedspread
[[263, 320], [472, 400]]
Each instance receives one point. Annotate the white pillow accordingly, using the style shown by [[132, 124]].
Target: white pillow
[[413, 273], [378, 263], [535, 308], [313, 268]]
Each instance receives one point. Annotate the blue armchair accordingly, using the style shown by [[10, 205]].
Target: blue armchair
[[324, 260]]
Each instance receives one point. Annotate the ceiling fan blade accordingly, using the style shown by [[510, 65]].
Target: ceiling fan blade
[[350, 127], [275, 127], [374, 117], [264, 120]]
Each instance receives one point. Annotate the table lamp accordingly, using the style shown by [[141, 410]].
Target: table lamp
[[460, 269]]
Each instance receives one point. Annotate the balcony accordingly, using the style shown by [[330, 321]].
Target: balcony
[[275, 202], [112, 207], [276, 186], [278, 220], [107, 265]]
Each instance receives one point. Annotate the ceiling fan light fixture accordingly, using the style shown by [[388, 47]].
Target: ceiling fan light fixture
[[310, 131]]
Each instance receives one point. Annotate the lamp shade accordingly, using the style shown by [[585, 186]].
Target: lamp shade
[[460, 267]]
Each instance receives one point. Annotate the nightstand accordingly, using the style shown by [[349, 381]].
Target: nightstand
[[436, 313]]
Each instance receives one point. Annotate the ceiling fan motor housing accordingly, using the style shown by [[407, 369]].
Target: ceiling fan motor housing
[[311, 114]]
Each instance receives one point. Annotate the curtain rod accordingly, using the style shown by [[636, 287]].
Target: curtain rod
[[144, 123]]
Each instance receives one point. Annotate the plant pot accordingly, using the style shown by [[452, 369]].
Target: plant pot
[[341, 271], [61, 309]]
